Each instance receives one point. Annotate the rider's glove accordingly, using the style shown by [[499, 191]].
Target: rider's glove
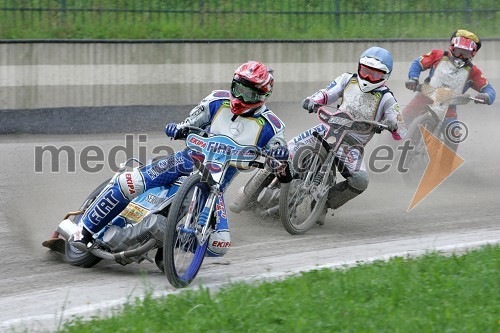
[[461, 99], [392, 126], [483, 97], [171, 130], [279, 152], [310, 105], [412, 84]]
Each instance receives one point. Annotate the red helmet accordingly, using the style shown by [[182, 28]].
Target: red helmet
[[252, 85], [464, 45]]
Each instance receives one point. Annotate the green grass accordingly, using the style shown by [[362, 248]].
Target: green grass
[[433, 293], [245, 19]]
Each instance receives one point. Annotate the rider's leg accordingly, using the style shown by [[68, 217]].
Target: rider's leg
[[115, 197], [351, 166]]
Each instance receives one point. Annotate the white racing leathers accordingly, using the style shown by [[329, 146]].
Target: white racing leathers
[[377, 105]]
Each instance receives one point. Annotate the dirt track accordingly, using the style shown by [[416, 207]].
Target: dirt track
[[37, 287]]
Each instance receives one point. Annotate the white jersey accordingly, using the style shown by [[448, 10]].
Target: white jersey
[[377, 105]]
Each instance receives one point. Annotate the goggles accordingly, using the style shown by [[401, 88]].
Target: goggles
[[371, 74], [247, 94], [461, 53]]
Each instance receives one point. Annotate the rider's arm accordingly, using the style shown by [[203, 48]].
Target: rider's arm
[[392, 115], [423, 63], [481, 84], [202, 114], [271, 135], [333, 91]]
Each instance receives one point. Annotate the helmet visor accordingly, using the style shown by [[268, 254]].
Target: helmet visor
[[247, 94], [370, 74]]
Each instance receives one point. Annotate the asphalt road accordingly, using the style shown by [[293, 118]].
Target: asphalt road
[[38, 290]]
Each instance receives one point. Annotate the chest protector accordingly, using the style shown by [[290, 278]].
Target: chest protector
[[359, 104], [447, 75], [244, 130]]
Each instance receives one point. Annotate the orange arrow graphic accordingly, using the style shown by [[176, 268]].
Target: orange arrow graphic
[[442, 163]]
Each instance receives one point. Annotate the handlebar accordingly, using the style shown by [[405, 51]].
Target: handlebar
[[448, 95]]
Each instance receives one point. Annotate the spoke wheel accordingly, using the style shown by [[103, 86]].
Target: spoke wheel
[[300, 204], [417, 159], [183, 254]]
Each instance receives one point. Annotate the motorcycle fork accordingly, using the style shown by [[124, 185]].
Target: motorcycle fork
[[204, 218], [325, 172]]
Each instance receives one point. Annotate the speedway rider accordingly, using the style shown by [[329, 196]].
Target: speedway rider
[[452, 69], [240, 113], [365, 96]]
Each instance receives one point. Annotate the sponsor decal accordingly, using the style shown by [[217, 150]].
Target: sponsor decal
[[197, 142], [130, 183], [163, 165], [213, 167], [236, 128], [197, 110], [107, 203], [220, 207], [308, 133], [221, 93], [226, 149], [133, 212], [331, 85], [274, 120], [221, 245], [154, 200]]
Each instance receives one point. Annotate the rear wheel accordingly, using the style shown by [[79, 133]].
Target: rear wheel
[[74, 256], [183, 254], [300, 205]]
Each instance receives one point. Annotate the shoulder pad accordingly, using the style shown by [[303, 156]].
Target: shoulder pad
[[273, 119]]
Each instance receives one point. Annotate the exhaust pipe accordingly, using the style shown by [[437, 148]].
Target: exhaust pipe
[[125, 254]]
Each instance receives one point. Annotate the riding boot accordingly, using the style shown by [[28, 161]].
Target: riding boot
[[340, 194]]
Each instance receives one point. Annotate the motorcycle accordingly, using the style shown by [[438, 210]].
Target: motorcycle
[[304, 198], [261, 192], [431, 120], [175, 220], [199, 204]]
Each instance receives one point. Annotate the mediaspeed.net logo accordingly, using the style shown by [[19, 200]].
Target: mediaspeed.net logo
[[443, 161]]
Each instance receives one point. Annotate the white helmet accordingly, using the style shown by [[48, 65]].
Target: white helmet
[[374, 68]]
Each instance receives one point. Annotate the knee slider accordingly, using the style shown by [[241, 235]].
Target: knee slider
[[131, 184], [219, 243]]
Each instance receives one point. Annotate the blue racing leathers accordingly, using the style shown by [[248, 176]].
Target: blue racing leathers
[[263, 129]]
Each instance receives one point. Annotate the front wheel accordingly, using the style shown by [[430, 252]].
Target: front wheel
[[416, 158], [182, 251], [300, 205]]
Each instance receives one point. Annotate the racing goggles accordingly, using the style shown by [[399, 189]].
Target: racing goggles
[[247, 94], [461, 53], [463, 48], [370, 74]]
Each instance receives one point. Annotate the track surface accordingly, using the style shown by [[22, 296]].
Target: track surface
[[38, 290]]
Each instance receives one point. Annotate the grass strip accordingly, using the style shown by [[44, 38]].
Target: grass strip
[[432, 293]]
